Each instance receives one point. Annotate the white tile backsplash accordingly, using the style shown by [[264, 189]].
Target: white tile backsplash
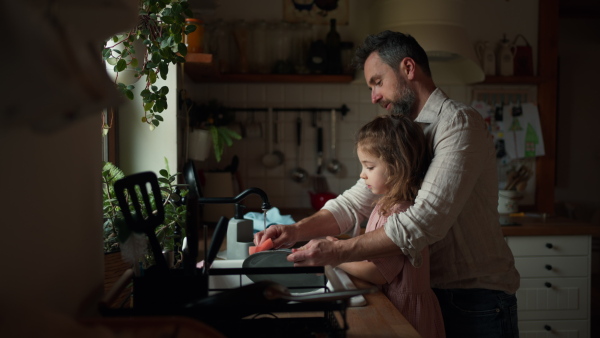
[[283, 192]]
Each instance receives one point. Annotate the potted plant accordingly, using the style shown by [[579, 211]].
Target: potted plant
[[213, 118], [169, 234], [159, 30]]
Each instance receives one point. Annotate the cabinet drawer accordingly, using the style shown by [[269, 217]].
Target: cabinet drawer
[[554, 329], [549, 245], [553, 298], [550, 266]]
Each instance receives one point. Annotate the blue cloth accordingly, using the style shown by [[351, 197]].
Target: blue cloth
[[478, 313], [273, 217]]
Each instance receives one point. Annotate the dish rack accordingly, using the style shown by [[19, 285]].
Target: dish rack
[[289, 319]]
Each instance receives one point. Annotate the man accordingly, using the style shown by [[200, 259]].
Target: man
[[455, 212]]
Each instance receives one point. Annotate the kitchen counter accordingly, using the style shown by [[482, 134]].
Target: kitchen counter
[[549, 226], [379, 318]]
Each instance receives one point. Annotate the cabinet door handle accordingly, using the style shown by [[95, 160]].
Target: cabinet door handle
[[548, 267], [548, 284], [549, 245], [547, 327]]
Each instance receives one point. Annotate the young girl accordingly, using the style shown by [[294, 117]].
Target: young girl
[[394, 158]]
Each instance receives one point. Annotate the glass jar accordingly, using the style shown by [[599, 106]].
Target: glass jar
[[282, 63], [259, 59], [301, 38], [195, 40], [241, 35], [222, 46]]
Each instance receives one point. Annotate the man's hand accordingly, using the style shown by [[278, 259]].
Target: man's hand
[[317, 252], [283, 236]]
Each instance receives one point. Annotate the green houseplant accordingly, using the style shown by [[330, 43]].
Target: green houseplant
[[214, 118], [160, 29], [169, 233]]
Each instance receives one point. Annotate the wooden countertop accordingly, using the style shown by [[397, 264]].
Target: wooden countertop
[[379, 318], [549, 226]]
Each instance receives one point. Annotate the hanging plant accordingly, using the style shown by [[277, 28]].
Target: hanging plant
[[160, 28]]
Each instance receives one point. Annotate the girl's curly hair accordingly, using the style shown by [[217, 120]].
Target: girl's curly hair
[[401, 145]]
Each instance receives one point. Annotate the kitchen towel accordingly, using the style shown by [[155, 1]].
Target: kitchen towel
[[273, 217]]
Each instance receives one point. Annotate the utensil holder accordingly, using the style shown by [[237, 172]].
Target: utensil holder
[[166, 293]]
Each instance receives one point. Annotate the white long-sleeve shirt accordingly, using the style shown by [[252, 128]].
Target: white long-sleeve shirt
[[456, 209]]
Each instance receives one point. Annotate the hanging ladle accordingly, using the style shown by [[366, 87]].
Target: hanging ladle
[[334, 166], [272, 158], [298, 174]]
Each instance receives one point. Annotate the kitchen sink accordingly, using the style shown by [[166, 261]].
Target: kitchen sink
[[231, 281]]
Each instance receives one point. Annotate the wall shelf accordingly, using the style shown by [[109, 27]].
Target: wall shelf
[[201, 68], [512, 80]]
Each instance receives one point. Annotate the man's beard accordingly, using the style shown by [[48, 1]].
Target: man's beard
[[405, 103]]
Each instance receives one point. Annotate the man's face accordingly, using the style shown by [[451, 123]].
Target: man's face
[[389, 88]]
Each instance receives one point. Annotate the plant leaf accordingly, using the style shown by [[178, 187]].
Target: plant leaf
[[121, 65], [164, 70], [152, 76]]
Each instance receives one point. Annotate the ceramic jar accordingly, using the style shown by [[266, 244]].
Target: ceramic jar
[[505, 58]]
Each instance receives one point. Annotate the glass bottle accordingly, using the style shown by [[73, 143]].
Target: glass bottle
[[334, 50]]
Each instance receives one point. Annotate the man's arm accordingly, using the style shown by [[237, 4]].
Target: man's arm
[[462, 150], [374, 244], [337, 216]]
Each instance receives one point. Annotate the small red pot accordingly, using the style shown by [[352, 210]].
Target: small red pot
[[317, 200]]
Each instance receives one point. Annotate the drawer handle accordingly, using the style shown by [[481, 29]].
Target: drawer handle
[[549, 245], [548, 284], [548, 267], [547, 327]]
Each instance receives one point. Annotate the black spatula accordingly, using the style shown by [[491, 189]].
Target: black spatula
[[146, 216]]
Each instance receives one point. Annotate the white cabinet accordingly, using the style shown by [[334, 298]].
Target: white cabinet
[[554, 297]]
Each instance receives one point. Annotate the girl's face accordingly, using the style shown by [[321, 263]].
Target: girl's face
[[373, 172]]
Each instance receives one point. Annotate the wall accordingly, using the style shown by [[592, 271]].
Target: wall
[[282, 191], [51, 219], [142, 149], [578, 151]]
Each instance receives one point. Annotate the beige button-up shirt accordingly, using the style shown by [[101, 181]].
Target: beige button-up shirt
[[456, 209]]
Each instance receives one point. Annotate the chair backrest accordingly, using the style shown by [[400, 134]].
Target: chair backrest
[[193, 217], [191, 179]]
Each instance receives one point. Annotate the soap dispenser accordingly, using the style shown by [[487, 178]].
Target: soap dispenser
[[240, 235]]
